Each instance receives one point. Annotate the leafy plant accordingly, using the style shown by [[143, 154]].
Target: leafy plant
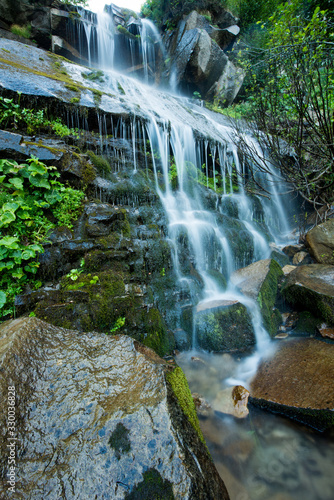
[[24, 31], [119, 323], [30, 196], [13, 115]]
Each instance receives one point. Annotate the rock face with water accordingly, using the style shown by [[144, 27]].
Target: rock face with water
[[259, 281], [320, 241], [97, 416], [298, 382], [311, 288]]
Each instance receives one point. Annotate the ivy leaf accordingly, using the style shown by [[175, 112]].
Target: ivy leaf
[[28, 254], [10, 207], [39, 181]]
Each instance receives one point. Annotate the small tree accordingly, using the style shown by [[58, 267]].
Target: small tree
[[292, 112]]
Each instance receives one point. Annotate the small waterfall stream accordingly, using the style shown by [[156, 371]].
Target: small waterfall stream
[[193, 154]]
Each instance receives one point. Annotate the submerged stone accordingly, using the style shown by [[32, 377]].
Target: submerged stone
[[298, 382], [98, 417], [232, 401]]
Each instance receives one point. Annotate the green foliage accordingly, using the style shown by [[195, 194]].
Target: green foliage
[[24, 31], [30, 196], [119, 323], [13, 115], [83, 3], [95, 75], [293, 99]]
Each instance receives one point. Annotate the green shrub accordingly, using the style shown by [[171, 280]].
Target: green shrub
[[24, 31], [30, 196]]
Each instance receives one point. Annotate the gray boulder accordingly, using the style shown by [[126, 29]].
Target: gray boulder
[[99, 417]]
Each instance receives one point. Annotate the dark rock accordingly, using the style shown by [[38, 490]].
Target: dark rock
[[112, 409], [311, 288], [223, 325], [291, 250], [320, 241], [297, 382]]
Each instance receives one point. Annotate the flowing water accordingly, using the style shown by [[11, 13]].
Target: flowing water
[[191, 148]]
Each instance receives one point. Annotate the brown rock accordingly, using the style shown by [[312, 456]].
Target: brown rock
[[298, 382], [325, 331], [299, 257], [320, 241], [232, 401]]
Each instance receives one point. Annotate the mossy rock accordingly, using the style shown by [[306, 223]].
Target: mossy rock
[[224, 327], [267, 298], [155, 335]]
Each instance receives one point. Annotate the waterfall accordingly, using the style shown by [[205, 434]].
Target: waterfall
[[198, 175]]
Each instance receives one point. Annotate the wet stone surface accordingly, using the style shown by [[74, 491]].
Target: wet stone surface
[[95, 415]]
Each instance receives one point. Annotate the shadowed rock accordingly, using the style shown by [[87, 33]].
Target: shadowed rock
[[320, 241]]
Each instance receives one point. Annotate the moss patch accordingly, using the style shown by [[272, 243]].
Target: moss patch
[[119, 440], [179, 384], [152, 487], [156, 335], [267, 297]]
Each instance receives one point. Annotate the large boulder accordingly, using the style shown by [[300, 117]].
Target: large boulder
[[308, 397], [311, 288], [259, 281], [320, 241], [98, 416], [199, 61]]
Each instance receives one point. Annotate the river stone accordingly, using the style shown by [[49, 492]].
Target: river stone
[[232, 401], [311, 288], [320, 241], [259, 281], [97, 417], [298, 382], [223, 325]]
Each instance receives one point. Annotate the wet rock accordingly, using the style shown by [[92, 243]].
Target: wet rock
[[287, 269], [282, 335], [320, 241], [103, 415], [311, 288], [291, 250], [21, 147], [325, 331], [232, 401], [297, 382], [301, 258], [103, 218], [203, 408], [259, 281], [223, 325]]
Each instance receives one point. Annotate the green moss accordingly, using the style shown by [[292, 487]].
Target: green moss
[[75, 100], [24, 31], [152, 487], [100, 163], [156, 335], [88, 174], [125, 32], [94, 76], [71, 87], [320, 305], [119, 440], [120, 88], [267, 297], [179, 384]]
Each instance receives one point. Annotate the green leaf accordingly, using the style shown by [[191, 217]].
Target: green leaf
[[3, 299], [10, 242], [53, 197], [37, 167], [28, 254], [10, 207], [37, 248], [6, 218], [2, 178], [39, 181], [18, 183]]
